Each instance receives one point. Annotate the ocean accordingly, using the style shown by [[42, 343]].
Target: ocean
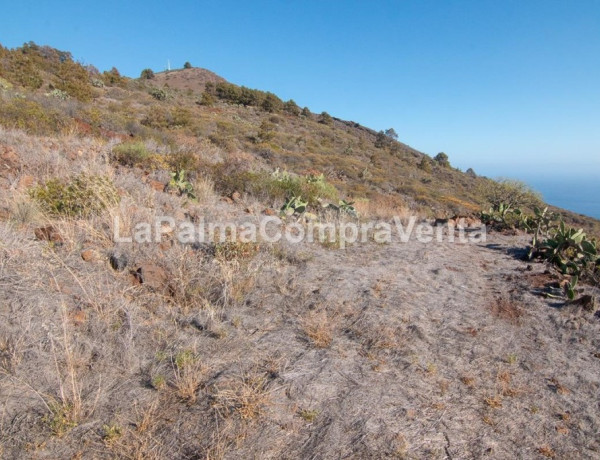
[[575, 194]]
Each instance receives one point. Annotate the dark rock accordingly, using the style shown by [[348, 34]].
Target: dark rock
[[152, 276], [587, 302], [118, 261]]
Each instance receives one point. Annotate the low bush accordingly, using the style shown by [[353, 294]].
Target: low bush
[[131, 154], [507, 195], [80, 196], [159, 94], [277, 186], [31, 116]]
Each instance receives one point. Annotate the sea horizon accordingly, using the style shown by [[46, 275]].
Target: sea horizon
[[580, 195]]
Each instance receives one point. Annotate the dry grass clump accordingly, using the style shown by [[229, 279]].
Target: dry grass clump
[[235, 250], [546, 451], [308, 415], [203, 282], [381, 338], [188, 374], [204, 189], [246, 396], [468, 380], [503, 383], [318, 327], [24, 210], [382, 207], [495, 402]]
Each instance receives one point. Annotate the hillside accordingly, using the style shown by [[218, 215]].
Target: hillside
[[172, 110], [120, 338]]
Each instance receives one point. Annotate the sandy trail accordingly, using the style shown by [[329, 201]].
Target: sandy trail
[[440, 350]]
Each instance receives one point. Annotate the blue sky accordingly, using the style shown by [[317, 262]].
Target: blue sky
[[510, 88]]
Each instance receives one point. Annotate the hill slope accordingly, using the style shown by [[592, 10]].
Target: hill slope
[[173, 110], [159, 348]]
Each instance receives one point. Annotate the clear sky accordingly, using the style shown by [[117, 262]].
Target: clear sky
[[510, 88]]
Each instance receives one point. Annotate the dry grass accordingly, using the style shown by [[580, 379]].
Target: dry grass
[[246, 396], [318, 327], [468, 380], [383, 207], [495, 402], [189, 373], [546, 451]]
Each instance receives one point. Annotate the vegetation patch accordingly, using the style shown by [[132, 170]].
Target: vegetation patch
[[80, 196]]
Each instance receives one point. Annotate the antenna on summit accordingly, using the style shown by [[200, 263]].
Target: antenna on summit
[[168, 65]]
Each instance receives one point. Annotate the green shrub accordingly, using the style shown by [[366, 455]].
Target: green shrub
[[235, 250], [266, 132], [113, 78], [184, 160], [325, 118], [159, 94], [147, 74], [81, 196], [207, 99], [180, 117], [271, 103], [187, 65], [131, 154], [291, 107], [509, 194], [277, 186], [73, 79], [158, 118], [32, 117], [425, 164], [21, 69], [442, 160]]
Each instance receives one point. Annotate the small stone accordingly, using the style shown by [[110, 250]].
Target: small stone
[[236, 197], [89, 255], [269, 212], [48, 233], [156, 185]]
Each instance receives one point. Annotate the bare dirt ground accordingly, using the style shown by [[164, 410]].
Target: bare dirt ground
[[438, 351], [402, 350]]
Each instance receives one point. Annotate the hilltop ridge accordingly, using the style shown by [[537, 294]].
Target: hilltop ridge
[[193, 79]]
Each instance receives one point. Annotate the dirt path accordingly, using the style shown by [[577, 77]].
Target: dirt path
[[439, 350]]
